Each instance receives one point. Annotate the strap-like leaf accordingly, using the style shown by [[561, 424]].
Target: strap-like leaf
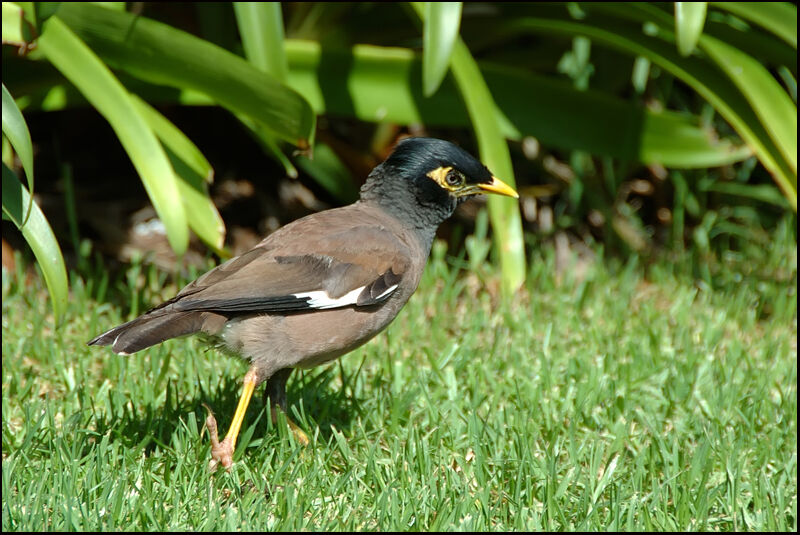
[[780, 18], [503, 212], [101, 88], [440, 31], [193, 172], [721, 92], [161, 54], [529, 105], [16, 130], [261, 27], [40, 237], [689, 20]]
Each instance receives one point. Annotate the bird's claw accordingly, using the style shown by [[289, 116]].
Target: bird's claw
[[221, 452], [298, 433]]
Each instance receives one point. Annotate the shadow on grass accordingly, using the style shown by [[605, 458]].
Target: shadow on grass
[[145, 426]]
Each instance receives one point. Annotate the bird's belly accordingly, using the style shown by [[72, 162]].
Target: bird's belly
[[303, 340], [327, 335]]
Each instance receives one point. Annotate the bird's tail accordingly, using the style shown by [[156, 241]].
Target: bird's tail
[[151, 329]]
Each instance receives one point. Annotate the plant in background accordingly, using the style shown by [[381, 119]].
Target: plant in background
[[18, 207], [691, 93]]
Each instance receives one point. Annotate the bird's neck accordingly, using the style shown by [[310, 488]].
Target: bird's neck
[[398, 197]]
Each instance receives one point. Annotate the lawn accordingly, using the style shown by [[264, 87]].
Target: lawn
[[608, 395]]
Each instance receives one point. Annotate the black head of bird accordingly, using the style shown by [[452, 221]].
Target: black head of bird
[[428, 178], [320, 286]]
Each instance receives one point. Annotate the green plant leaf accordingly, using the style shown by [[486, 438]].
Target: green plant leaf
[[261, 27], [34, 13], [117, 6], [503, 211], [40, 238], [440, 31], [172, 137], [780, 18], [201, 213], [704, 78], [160, 54], [773, 106], [560, 115], [689, 20], [93, 79], [16, 130], [16, 30], [268, 143], [193, 172], [762, 46], [381, 84]]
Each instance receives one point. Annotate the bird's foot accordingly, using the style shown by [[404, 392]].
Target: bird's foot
[[298, 433], [221, 452]]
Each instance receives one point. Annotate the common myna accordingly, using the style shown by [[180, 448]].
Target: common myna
[[323, 285]]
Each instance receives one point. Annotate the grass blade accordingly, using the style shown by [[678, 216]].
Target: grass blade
[[760, 192], [84, 69], [40, 238], [439, 35]]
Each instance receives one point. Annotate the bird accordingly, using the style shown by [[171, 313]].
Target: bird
[[320, 286]]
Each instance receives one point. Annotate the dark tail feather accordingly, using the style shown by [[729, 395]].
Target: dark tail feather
[[149, 330]]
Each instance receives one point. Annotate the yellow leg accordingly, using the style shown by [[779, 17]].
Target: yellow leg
[[250, 382], [222, 452]]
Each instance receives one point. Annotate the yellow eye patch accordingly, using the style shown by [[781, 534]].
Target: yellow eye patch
[[439, 175]]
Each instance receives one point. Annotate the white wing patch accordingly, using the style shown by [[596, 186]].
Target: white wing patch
[[321, 300], [388, 290]]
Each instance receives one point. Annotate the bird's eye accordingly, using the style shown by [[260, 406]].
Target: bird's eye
[[454, 178]]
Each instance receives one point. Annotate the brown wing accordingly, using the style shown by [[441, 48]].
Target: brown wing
[[343, 257], [321, 267]]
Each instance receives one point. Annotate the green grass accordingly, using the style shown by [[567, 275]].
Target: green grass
[[630, 397]]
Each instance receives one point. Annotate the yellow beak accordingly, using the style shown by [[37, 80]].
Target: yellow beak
[[500, 187]]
